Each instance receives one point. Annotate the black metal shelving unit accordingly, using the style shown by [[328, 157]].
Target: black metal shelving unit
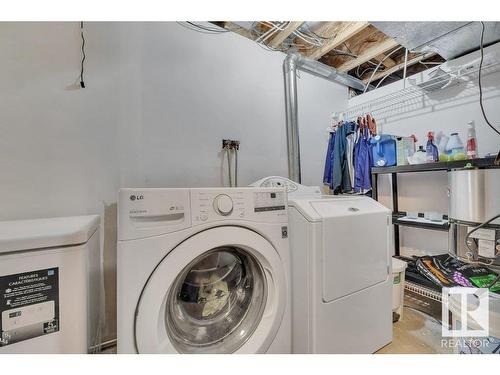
[[428, 167]]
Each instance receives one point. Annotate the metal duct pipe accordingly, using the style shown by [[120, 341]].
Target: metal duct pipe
[[292, 121], [292, 62]]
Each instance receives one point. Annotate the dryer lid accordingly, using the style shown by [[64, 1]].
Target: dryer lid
[[19, 235], [326, 206]]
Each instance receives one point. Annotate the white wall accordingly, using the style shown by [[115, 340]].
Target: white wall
[[159, 100], [448, 110], [314, 119]]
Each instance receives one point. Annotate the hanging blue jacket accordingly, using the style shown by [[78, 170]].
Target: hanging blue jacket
[[327, 174], [362, 163], [340, 179]]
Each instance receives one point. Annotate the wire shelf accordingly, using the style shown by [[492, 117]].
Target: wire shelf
[[416, 94], [423, 291]]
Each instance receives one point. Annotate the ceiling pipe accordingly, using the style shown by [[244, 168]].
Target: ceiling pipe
[[292, 63]]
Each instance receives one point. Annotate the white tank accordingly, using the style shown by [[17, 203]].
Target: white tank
[[49, 285]]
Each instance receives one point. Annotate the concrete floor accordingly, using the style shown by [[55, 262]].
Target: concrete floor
[[416, 333]]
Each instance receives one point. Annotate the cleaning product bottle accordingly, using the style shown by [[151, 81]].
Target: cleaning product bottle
[[455, 148], [471, 141], [440, 141], [431, 149]]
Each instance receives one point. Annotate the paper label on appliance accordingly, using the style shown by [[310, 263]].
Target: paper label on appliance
[[486, 248], [29, 305], [483, 234]]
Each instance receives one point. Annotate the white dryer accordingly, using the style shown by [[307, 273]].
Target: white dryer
[[203, 271], [341, 267]]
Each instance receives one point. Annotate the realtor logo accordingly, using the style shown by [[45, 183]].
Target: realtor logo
[[468, 305]]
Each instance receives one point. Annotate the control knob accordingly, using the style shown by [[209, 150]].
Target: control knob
[[223, 204]]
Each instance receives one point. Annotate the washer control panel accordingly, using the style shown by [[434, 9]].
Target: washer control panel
[[253, 204]]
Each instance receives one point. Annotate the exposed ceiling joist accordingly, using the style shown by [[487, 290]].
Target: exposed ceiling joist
[[285, 33], [398, 67], [231, 26], [370, 53], [388, 62], [342, 32]]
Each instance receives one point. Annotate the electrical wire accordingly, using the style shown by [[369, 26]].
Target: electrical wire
[[378, 66], [480, 84], [201, 28], [467, 237], [470, 253], [82, 82]]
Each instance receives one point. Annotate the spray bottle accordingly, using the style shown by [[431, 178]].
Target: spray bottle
[[471, 141], [431, 149]]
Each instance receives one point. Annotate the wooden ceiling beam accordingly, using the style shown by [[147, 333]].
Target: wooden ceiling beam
[[231, 26], [285, 33], [397, 67], [388, 62], [346, 30], [370, 53]]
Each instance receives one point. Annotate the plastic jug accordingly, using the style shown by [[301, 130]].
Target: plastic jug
[[383, 150], [455, 148]]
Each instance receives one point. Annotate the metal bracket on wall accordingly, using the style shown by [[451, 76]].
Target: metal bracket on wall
[[230, 144]]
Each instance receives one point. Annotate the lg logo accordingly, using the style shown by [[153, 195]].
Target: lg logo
[[136, 197]]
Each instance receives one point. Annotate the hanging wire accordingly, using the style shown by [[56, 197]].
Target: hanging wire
[[82, 82], [202, 28], [378, 66], [480, 83]]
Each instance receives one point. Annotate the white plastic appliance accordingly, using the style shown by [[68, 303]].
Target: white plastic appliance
[[203, 271], [341, 271], [49, 284]]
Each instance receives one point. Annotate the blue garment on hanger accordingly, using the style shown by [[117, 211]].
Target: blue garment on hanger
[[327, 174], [362, 163], [340, 180]]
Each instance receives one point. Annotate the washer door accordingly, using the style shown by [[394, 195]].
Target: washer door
[[222, 290]]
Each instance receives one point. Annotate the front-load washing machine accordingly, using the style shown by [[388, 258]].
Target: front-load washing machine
[[203, 271], [341, 270]]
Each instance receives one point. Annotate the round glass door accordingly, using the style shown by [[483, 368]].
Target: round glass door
[[216, 302], [222, 290]]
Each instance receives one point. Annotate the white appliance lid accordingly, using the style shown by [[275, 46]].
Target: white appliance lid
[[316, 209], [18, 235]]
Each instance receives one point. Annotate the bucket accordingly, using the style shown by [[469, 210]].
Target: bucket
[[398, 288]]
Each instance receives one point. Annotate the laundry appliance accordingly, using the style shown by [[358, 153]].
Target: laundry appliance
[[50, 285], [341, 270], [203, 271]]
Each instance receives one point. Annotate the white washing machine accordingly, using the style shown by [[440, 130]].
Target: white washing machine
[[203, 271], [50, 285], [341, 270]]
